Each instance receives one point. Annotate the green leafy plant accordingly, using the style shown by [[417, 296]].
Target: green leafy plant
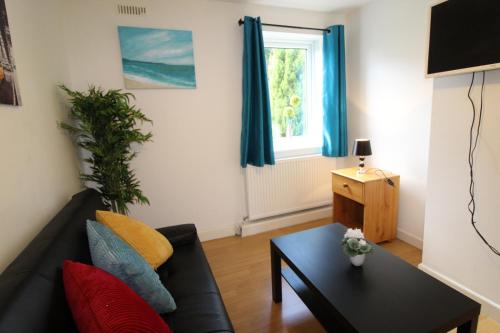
[[354, 243], [105, 125]]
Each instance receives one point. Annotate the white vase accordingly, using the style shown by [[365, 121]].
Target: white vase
[[358, 260]]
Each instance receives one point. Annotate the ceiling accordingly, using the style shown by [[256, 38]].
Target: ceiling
[[316, 5]]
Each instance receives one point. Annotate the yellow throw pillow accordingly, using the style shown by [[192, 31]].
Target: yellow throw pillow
[[149, 243]]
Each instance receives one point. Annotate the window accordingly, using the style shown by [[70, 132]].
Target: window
[[294, 69]]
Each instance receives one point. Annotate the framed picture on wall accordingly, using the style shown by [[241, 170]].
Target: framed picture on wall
[[157, 58], [9, 88]]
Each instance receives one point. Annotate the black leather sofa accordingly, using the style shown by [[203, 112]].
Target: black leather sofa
[[32, 295]]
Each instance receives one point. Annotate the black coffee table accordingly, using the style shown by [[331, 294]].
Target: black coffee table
[[385, 295]]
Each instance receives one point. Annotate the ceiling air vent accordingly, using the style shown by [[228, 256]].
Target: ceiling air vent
[[131, 10]]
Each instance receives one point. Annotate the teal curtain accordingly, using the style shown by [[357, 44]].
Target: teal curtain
[[334, 93], [256, 131]]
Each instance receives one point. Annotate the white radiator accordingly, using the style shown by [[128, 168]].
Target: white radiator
[[289, 186]]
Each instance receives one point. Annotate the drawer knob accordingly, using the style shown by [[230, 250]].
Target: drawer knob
[[345, 185]]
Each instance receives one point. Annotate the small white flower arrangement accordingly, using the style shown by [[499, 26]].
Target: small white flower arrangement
[[354, 243]]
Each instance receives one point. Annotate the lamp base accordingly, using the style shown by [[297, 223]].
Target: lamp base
[[362, 170]]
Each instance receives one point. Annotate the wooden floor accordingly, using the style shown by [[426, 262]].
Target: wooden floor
[[242, 269]]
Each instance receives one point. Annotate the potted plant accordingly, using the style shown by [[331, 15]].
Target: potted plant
[[356, 246], [105, 125]]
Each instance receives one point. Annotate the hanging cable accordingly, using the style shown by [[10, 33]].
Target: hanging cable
[[473, 140]]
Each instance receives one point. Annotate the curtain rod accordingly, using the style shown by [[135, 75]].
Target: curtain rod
[[240, 22]]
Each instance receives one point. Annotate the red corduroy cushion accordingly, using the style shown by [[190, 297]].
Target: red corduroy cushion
[[102, 303]]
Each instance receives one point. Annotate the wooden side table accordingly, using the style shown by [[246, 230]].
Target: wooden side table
[[366, 201]]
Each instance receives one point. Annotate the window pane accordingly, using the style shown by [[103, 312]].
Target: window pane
[[286, 74]]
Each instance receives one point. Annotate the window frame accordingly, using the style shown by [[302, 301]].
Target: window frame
[[310, 143]]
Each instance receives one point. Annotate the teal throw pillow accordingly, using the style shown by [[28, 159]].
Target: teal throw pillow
[[116, 257]]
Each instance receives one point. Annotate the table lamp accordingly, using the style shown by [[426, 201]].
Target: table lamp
[[362, 149]]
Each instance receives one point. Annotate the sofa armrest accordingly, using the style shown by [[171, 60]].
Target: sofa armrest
[[179, 235]]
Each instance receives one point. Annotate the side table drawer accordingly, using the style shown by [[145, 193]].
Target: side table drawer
[[348, 188]]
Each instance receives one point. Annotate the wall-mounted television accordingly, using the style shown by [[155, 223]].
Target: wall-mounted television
[[464, 37]]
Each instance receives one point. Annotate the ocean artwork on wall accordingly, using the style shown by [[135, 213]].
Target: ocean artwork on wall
[[157, 58], [9, 89]]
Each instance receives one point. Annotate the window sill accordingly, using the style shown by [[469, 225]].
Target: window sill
[[296, 153]]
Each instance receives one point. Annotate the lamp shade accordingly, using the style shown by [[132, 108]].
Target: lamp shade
[[362, 147]]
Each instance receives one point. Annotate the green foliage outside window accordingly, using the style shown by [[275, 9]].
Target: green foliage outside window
[[286, 70]]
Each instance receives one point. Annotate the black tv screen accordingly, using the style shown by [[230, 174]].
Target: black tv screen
[[464, 37]]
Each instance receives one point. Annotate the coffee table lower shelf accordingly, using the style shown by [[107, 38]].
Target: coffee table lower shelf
[[313, 302]]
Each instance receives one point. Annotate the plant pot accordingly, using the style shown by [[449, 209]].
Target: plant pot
[[358, 260]]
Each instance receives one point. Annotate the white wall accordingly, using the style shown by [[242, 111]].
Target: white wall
[[38, 165], [451, 248], [391, 103], [191, 171], [389, 99]]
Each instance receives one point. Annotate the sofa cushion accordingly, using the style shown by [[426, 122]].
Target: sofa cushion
[[195, 291], [149, 243], [185, 279], [101, 303], [209, 311], [114, 256]]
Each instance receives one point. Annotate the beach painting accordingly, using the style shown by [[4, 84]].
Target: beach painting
[[157, 58], [9, 88]]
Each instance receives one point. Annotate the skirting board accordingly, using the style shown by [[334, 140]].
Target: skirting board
[[410, 238], [257, 227], [215, 234], [488, 307]]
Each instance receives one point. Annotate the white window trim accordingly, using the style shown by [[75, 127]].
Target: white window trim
[[311, 143]]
